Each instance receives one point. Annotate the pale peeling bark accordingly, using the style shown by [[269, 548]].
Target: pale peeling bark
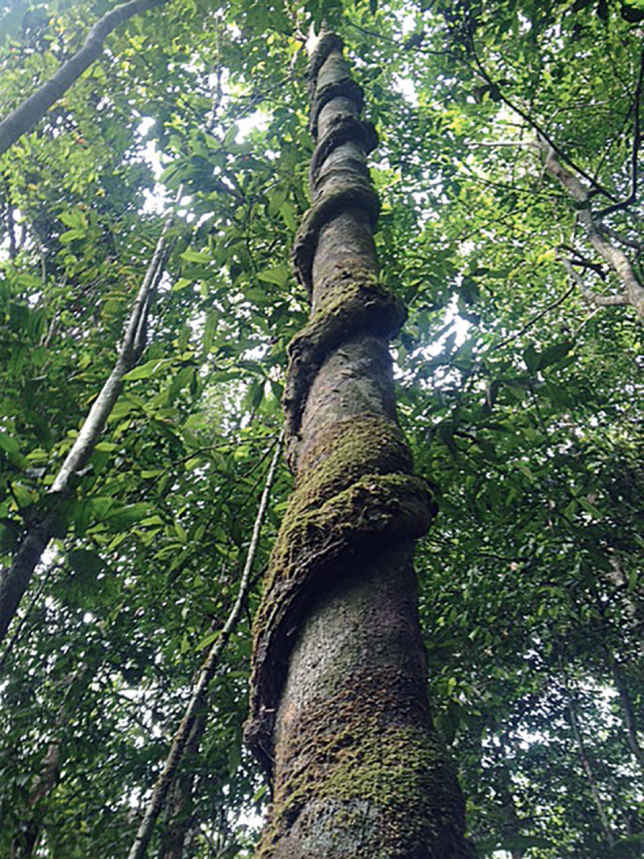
[[632, 290], [339, 712], [32, 110]]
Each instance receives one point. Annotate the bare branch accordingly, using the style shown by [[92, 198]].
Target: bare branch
[[585, 761], [580, 259], [590, 296], [618, 237], [15, 579], [16, 635], [534, 319]]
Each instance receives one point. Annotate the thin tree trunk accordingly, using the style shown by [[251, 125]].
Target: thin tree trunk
[[630, 599], [512, 824], [632, 624], [24, 845], [32, 110], [339, 712], [627, 709], [585, 762], [180, 801], [15, 579], [196, 706]]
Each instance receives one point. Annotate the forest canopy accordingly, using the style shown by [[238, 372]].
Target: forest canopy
[[147, 215]]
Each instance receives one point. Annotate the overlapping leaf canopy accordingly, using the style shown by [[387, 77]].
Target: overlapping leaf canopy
[[517, 388]]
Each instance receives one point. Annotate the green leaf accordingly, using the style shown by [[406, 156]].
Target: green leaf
[[122, 517], [191, 255], [531, 358], [278, 275], [553, 354], [148, 370], [74, 219], [209, 330], [234, 757], [181, 283], [12, 449], [70, 235], [207, 640], [287, 211], [180, 531], [24, 496]]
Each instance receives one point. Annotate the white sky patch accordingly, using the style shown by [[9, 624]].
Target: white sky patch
[[155, 200], [407, 89], [459, 327], [256, 121]]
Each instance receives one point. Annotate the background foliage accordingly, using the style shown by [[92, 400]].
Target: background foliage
[[518, 392]]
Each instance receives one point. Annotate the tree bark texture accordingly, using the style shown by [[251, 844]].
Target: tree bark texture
[[339, 715]]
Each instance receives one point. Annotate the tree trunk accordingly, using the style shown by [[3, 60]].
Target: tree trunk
[[180, 802], [188, 734], [628, 712], [15, 579], [25, 843], [339, 712], [588, 770], [32, 110]]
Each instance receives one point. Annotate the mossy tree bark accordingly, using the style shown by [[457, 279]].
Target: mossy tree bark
[[339, 711]]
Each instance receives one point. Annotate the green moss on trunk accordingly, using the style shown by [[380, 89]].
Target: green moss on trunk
[[379, 779], [338, 706], [317, 541]]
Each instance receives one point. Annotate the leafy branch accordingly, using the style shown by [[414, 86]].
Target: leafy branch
[[15, 579], [32, 110], [634, 149], [198, 700]]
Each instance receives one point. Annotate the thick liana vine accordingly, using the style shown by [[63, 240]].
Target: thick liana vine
[[354, 491], [339, 715]]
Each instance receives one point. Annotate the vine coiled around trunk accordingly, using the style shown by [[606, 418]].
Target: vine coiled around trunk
[[319, 725]]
